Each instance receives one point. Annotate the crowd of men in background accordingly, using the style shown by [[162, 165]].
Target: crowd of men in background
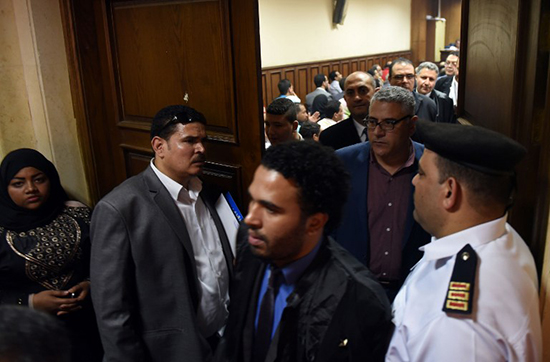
[[435, 92]]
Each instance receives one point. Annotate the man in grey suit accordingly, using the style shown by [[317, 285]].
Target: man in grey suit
[[426, 75], [161, 260], [321, 82]]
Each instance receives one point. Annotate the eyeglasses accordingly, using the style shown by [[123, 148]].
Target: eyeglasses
[[386, 125], [181, 117], [400, 77]]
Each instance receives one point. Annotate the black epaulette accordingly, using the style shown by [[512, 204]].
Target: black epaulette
[[460, 295]]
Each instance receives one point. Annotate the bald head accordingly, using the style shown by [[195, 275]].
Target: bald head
[[358, 90]]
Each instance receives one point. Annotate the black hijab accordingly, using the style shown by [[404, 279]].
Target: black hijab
[[13, 217]]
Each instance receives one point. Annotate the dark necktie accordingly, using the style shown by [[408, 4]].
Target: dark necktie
[[365, 132], [262, 339]]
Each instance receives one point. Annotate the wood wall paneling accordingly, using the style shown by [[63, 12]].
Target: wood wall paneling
[[301, 75]]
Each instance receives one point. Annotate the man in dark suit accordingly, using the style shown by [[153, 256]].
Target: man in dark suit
[[444, 84], [402, 75], [378, 226], [426, 75], [358, 90], [161, 260], [297, 295]]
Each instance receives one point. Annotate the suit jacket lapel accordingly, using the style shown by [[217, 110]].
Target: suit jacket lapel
[[352, 131], [169, 209], [210, 202], [418, 102]]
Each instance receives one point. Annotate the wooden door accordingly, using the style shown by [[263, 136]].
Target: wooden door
[[505, 86], [132, 58]]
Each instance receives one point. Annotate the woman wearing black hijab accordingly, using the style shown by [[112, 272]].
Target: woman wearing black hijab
[[45, 248]]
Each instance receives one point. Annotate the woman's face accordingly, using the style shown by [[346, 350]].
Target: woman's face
[[29, 188]]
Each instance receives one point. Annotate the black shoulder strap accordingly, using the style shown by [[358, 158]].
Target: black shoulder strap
[[460, 295]]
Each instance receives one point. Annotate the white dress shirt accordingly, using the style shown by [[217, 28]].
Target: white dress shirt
[[209, 258], [505, 322], [453, 91]]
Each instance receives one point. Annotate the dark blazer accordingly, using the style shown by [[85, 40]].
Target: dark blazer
[[353, 232], [340, 135], [445, 107], [336, 299], [443, 84], [424, 108], [143, 274]]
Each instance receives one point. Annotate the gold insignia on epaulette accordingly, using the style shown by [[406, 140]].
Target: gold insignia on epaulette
[[460, 294], [459, 286], [457, 305]]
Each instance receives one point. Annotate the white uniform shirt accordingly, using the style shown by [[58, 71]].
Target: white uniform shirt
[[505, 322], [209, 258]]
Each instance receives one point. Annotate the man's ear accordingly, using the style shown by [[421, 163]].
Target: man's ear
[[295, 125], [158, 144], [451, 191], [316, 222]]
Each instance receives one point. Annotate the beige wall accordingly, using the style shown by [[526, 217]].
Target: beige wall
[[35, 100], [302, 31]]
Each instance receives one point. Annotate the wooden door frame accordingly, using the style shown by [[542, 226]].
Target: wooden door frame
[[531, 90]]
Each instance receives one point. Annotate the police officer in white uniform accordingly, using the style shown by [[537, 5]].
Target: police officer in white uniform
[[474, 294]]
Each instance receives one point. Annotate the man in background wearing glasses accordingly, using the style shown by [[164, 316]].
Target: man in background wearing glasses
[[402, 75], [161, 260], [378, 227]]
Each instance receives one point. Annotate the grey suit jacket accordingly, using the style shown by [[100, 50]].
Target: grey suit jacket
[[143, 274], [311, 96]]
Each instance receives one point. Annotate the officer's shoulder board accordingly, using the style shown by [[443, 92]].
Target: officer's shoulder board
[[460, 294]]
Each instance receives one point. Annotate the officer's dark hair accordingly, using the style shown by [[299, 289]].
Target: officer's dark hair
[[319, 80], [282, 106], [27, 335], [399, 61], [319, 175], [487, 190], [332, 75], [284, 85], [165, 121], [308, 129]]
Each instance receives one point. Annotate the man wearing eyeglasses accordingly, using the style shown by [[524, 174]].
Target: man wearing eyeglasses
[[161, 259], [448, 84], [378, 227], [402, 75]]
